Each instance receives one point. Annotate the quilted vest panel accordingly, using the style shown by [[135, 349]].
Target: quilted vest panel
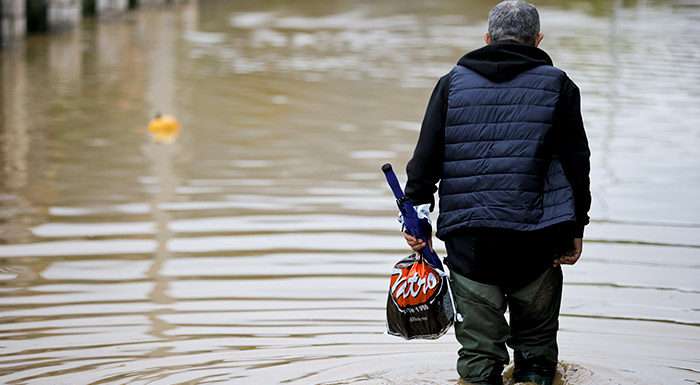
[[498, 170]]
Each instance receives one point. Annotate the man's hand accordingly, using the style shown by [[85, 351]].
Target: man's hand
[[571, 257], [415, 244]]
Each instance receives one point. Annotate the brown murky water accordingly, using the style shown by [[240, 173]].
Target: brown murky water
[[255, 249]]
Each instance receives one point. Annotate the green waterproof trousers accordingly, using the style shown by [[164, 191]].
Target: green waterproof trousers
[[484, 333]]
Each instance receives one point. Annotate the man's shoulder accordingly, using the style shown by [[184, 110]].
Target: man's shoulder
[[567, 85], [564, 75], [442, 87], [548, 70]]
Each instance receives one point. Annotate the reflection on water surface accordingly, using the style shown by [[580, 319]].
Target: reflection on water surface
[[257, 246]]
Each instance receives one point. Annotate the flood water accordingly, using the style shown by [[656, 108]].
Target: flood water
[[256, 248]]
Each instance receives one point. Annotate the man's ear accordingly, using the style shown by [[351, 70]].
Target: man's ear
[[487, 38], [538, 38]]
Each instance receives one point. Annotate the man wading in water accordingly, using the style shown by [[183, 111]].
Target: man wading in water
[[503, 135]]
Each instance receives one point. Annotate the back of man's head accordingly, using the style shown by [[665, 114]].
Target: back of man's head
[[514, 20]]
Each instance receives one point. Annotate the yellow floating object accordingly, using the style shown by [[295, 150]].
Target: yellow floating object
[[164, 128]]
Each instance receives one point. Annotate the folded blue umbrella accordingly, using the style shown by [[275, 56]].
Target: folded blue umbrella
[[416, 227]]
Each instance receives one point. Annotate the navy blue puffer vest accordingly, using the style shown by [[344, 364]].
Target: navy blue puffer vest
[[498, 170]]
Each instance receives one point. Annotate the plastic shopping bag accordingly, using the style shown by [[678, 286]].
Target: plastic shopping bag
[[419, 304]]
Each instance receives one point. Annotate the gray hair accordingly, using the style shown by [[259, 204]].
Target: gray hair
[[514, 20]]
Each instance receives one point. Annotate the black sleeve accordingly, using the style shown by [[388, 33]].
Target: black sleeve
[[425, 167], [573, 151]]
